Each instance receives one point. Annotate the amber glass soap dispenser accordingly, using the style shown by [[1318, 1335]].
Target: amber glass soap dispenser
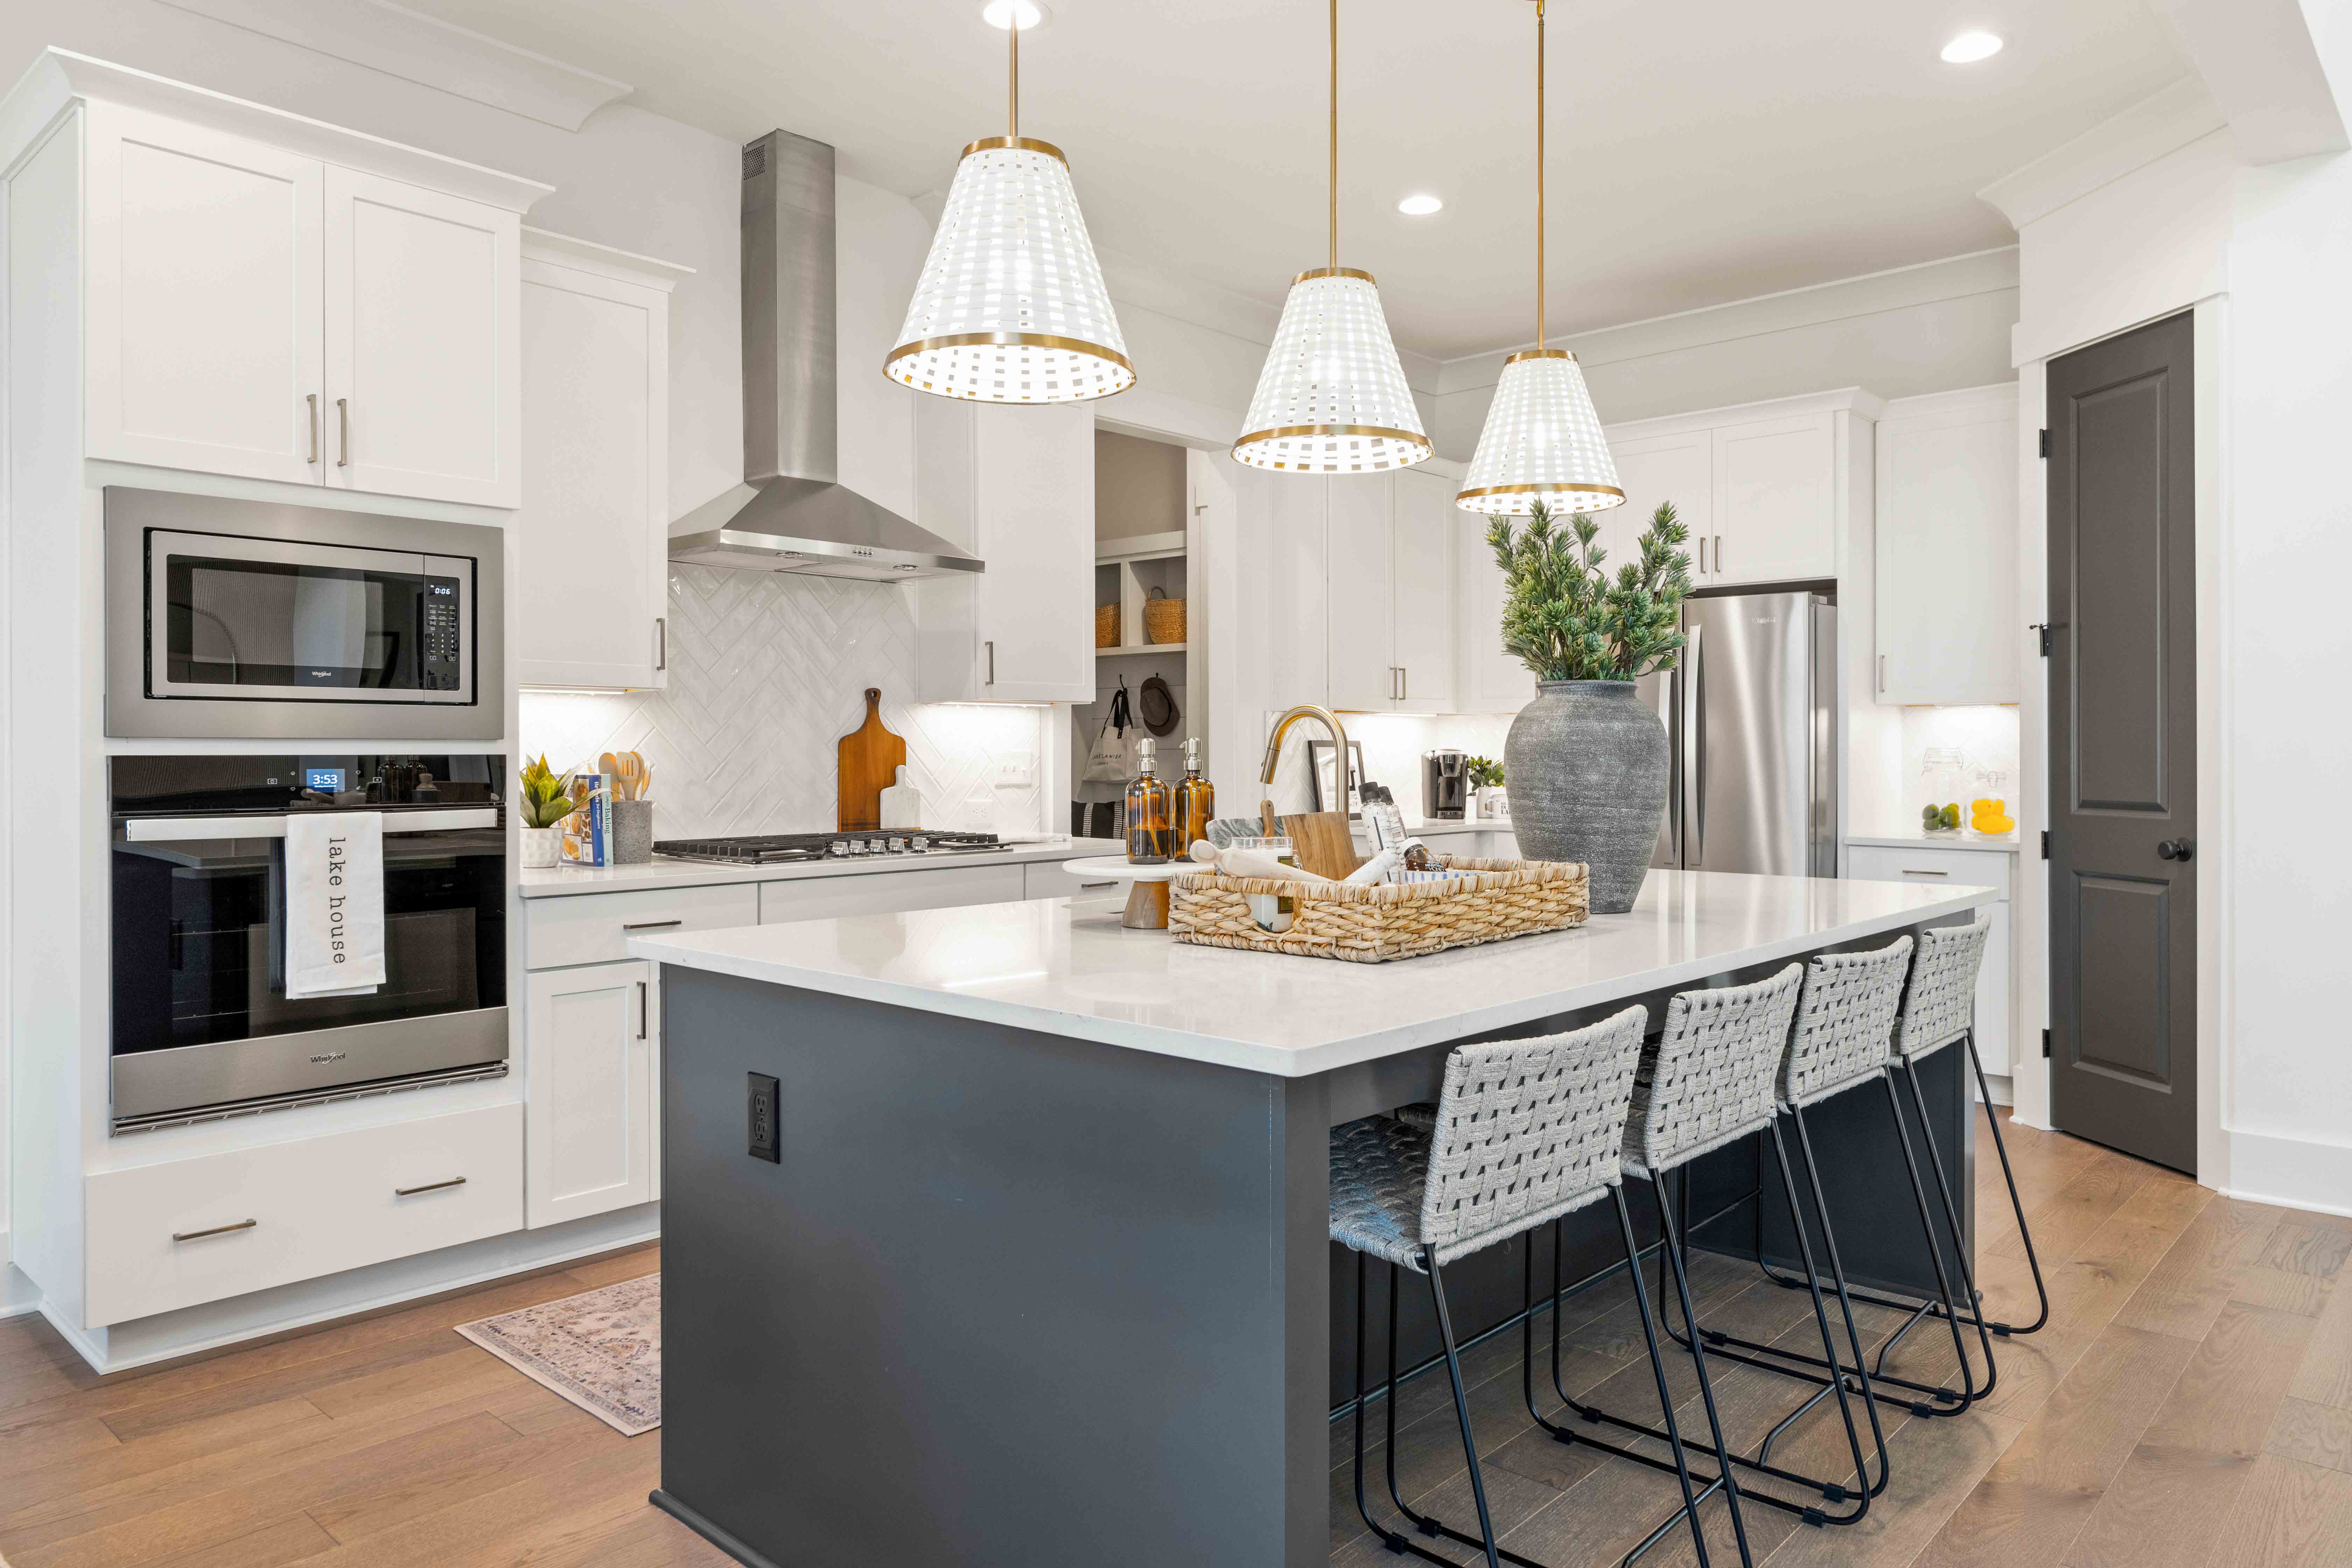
[[1150, 810]]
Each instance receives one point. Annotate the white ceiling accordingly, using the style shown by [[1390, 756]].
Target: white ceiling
[[1701, 152]]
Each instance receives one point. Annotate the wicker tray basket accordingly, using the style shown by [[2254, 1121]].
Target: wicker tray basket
[[1373, 925]]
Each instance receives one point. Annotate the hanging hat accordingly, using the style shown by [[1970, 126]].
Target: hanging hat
[[1160, 713]]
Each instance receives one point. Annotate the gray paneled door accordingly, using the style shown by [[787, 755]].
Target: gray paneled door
[[2123, 745]]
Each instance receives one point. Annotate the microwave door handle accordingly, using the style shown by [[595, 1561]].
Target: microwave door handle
[[167, 829]]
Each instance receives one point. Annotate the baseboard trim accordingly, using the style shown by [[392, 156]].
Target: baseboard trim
[[2292, 1172], [707, 1530]]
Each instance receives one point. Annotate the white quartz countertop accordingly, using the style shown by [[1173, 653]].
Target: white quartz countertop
[[1046, 967], [559, 881], [1920, 839]]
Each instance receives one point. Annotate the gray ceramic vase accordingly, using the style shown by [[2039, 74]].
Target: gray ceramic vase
[[1587, 765]]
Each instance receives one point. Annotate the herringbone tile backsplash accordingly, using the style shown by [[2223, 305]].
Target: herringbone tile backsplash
[[768, 671]]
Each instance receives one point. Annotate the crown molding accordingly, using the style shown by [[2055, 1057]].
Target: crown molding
[[604, 260], [425, 50], [59, 78], [2165, 121], [2261, 64]]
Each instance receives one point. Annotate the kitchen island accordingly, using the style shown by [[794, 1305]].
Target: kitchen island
[[999, 1235]]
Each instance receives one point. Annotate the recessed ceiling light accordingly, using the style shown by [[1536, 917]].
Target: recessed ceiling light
[[999, 14], [1419, 206], [1965, 50]]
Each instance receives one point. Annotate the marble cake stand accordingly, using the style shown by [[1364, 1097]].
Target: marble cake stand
[[1147, 900]]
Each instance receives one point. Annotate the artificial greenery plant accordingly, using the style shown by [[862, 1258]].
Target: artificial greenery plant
[[1564, 616], [546, 797], [1484, 773]]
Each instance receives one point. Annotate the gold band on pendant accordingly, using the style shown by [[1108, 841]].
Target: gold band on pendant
[[1461, 496], [1009, 340], [1541, 353], [1019, 144], [1335, 272]]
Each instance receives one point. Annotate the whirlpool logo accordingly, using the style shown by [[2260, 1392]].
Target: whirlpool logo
[[323, 1057]]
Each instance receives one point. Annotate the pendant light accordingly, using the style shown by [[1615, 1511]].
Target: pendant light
[[1010, 305], [1332, 398], [1542, 440]]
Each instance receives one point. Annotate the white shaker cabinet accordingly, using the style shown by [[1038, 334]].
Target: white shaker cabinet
[[206, 327], [592, 601], [593, 1034], [1389, 591], [1676, 466], [1015, 485], [1946, 548], [423, 342], [267, 297], [1490, 680]]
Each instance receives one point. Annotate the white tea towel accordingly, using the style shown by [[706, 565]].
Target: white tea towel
[[334, 903]]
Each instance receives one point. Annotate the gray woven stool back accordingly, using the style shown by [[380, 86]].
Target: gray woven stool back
[[1526, 1131], [1939, 1004], [1709, 1078], [1845, 1021]]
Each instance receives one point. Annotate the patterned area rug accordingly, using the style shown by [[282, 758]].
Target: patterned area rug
[[602, 1350]]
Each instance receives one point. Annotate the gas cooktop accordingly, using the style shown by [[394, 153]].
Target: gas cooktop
[[785, 849]]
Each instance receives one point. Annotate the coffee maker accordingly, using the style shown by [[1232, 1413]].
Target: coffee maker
[[1444, 786]]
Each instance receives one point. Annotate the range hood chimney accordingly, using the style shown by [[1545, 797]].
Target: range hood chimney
[[791, 513]]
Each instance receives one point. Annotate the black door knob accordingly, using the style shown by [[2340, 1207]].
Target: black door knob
[[2175, 849]]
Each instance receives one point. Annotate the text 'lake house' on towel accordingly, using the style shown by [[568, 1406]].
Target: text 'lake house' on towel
[[334, 904]]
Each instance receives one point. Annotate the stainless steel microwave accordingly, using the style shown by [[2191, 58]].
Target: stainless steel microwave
[[246, 620]]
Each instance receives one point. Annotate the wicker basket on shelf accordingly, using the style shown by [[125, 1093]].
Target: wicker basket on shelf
[[1502, 899], [1106, 626], [1163, 619]]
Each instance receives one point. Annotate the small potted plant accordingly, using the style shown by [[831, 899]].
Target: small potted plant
[[1486, 778], [546, 801]]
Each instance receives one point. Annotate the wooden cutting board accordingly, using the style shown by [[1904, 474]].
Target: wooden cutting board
[[870, 759], [1323, 840]]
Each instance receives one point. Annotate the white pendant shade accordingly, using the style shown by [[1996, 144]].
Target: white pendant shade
[[1010, 307], [1332, 398], [1542, 443]]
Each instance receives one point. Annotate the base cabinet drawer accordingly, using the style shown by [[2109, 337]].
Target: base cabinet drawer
[[595, 928], [1045, 879], [169, 1235], [1936, 866], [889, 892]]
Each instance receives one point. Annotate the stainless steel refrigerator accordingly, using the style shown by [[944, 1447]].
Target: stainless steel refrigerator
[[1752, 718]]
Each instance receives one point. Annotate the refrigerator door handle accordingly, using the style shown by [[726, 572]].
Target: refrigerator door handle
[[1694, 814]]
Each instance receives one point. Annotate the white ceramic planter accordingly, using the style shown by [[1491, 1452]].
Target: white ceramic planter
[[541, 847]]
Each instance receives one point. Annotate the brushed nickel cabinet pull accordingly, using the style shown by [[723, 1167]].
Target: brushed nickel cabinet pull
[[344, 418], [661, 642], [1718, 553], [216, 1230], [1083, 886], [428, 1187], [643, 1006], [992, 662], [1701, 554], [1404, 683], [653, 925], [312, 399], [1909, 871], [1881, 675]]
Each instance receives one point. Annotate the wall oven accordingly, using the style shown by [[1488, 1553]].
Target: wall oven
[[201, 1025], [243, 619]]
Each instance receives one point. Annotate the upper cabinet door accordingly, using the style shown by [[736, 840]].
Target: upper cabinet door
[[595, 377], [1033, 500], [1948, 626], [423, 343], [1423, 595], [1654, 469], [1491, 680], [1775, 500], [1359, 568], [203, 313]]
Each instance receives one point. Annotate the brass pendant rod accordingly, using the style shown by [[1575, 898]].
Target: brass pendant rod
[[1539, 174], [1335, 135], [1013, 84]]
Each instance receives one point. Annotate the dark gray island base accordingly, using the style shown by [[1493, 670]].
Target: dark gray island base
[[1009, 1297]]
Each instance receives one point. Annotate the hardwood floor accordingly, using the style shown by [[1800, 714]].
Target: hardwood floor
[[2190, 1403]]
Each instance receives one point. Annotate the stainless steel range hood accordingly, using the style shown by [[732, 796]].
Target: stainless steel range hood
[[791, 513]]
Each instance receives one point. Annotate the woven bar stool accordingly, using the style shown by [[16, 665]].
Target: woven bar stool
[[1842, 1041], [1526, 1132], [1711, 1082], [1940, 1009]]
